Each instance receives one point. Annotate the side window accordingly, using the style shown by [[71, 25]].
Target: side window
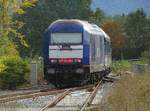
[[101, 48], [96, 54], [92, 39], [105, 44], [101, 44], [97, 48], [109, 48]]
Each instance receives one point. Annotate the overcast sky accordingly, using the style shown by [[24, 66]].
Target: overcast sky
[[117, 7]]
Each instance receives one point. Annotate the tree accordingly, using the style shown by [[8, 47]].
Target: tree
[[114, 30], [8, 26], [40, 17], [97, 16], [137, 30]]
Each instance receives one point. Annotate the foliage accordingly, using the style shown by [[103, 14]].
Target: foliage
[[12, 68], [134, 29], [114, 30], [137, 28], [8, 26], [122, 65], [125, 65], [12, 72], [8, 48], [132, 93], [97, 17]]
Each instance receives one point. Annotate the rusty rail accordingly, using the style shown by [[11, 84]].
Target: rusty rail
[[63, 95], [88, 101], [91, 97], [20, 93], [53, 103], [28, 95], [33, 94]]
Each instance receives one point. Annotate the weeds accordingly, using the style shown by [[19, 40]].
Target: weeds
[[132, 93], [122, 65], [125, 65]]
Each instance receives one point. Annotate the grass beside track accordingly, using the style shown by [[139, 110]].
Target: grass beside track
[[125, 65], [131, 93]]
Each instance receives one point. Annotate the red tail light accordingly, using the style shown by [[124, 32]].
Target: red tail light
[[61, 60], [65, 60], [69, 60]]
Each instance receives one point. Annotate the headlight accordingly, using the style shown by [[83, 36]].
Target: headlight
[[78, 60], [53, 60]]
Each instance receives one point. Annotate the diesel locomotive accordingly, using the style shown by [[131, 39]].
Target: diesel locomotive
[[75, 51]]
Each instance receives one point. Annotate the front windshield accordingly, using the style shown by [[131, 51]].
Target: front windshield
[[66, 38]]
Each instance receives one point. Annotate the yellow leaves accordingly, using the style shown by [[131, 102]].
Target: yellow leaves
[[20, 11], [113, 29], [19, 35], [2, 67], [22, 40], [28, 3], [8, 48], [7, 25]]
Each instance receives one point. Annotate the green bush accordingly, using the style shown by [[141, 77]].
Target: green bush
[[13, 72], [125, 65], [122, 65]]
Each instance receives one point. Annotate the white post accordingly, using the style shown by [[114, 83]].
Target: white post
[[34, 70]]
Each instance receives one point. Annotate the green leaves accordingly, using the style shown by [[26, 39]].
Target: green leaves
[[14, 72], [137, 39], [9, 27]]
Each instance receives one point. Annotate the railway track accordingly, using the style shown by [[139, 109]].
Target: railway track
[[91, 97], [59, 99], [34, 94], [31, 94], [87, 102]]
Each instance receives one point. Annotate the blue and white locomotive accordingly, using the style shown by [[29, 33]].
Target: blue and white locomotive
[[75, 51]]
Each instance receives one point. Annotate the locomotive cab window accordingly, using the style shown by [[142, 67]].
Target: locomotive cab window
[[66, 38]]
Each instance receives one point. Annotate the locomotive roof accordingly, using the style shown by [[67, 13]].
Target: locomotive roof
[[91, 28]]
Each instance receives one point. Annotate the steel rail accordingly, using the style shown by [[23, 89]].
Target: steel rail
[[16, 94], [29, 95], [91, 97], [25, 92], [43, 92], [63, 95], [58, 99]]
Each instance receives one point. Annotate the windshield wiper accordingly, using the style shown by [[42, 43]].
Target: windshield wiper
[[52, 41]]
